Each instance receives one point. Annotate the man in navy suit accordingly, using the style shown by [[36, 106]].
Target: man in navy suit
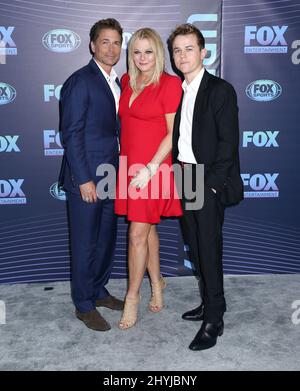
[[89, 129]]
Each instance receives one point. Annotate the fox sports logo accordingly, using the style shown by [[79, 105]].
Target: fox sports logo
[[263, 90], [7, 93], [57, 193], [61, 40]]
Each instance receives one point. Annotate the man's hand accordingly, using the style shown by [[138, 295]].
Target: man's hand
[[88, 192]]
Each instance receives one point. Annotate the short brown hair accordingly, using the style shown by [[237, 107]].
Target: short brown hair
[[102, 24], [185, 29]]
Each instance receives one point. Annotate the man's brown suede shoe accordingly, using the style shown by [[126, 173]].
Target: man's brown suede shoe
[[93, 320], [110, 302]]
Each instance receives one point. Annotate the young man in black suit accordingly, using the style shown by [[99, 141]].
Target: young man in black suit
[[206, 132]]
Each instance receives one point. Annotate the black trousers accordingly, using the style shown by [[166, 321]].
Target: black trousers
[[202, 231]]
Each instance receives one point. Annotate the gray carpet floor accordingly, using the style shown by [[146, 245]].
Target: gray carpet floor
[[42, 333]]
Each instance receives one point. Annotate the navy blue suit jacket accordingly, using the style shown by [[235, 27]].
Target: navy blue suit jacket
[[88, 126]]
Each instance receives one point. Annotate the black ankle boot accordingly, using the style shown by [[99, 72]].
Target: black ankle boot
[[207, 335]]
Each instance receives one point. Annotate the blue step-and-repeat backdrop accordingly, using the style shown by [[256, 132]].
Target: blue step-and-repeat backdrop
[[255, 45]]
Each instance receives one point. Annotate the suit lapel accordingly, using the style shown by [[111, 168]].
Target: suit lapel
[[203, 86], [199, 99], [119, 84], [176, 128], [201, 91], [95, 69], [178, 115]]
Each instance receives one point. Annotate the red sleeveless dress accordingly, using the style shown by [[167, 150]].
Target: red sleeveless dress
[[143, 127]]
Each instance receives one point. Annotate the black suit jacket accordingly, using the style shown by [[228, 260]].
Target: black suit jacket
[[215, 137]]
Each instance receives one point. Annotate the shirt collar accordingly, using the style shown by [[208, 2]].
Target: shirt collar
[[113, 75], [195, 83]]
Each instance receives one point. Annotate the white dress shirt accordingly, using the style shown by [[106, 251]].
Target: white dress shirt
[[111, 80], [186, 123]]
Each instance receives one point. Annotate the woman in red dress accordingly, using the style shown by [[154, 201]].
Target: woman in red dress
[[145, 187]]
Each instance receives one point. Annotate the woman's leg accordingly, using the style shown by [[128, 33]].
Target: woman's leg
[[153, 265], [138, 254]]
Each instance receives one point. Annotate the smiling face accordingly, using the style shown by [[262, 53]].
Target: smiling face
[[107, 48], [188, 56], [144, 56]]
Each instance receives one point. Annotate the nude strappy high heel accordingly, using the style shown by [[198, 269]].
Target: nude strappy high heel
[[156, 303], [129, 316]]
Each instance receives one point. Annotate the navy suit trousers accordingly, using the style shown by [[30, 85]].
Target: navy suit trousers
[[93, 230]]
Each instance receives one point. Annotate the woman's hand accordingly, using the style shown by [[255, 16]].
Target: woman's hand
[[142, 178]]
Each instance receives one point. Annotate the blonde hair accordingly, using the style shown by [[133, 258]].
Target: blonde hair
[[159, 51]]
